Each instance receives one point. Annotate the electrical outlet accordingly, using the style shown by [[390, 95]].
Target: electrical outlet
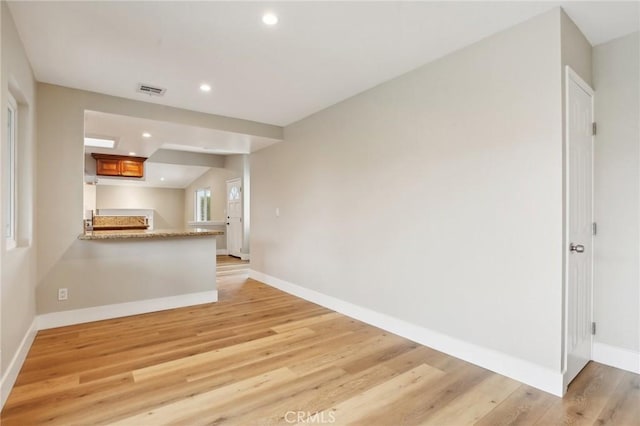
[[63, 294]]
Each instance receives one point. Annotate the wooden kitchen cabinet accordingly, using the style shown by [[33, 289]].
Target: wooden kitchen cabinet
[[132, 168], [119, 165]]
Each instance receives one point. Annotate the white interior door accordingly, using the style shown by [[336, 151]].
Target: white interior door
[[579, 256], [234, 217]]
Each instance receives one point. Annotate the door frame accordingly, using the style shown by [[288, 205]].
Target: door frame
[[572, 76]]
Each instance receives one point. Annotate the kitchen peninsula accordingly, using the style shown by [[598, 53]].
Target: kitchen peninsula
[[114, 273]]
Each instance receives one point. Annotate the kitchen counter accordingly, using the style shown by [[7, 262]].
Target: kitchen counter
[[141, 233]]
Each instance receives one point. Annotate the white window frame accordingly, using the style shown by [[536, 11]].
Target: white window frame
[[10, 163], [198, 215]]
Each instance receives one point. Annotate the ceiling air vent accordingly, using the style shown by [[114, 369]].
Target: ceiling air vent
[[151, 90]]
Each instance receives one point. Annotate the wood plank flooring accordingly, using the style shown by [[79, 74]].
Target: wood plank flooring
[[262, 357]]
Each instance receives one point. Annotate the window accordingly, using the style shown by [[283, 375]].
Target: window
[[10, 177], [234, 193], [203, 205]]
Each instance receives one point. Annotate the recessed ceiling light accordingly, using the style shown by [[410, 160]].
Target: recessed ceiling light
[[162, 179], [132, 153], [99, 142], [146, 135], [270, 18], [205, 87]]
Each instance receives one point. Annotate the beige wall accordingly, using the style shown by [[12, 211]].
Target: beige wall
[[235, 163], [61, 161], [167, 203], [18, 265], [435, 198], [216, 180], [576, 49], [616, 80], [187, 158], [89, 199]]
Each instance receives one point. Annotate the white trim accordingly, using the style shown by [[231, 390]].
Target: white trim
[[222, 252], [614, 356], [98, 313], [245, 256], [11, 222], [501, 363], [11, 374]]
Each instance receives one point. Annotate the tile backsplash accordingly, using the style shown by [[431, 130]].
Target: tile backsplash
[[119, 221]]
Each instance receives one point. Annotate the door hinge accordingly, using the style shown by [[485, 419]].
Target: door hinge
[[594, 128], [593, 328], [594, 228]]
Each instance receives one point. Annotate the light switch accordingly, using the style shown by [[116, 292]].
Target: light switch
[[277, 211]]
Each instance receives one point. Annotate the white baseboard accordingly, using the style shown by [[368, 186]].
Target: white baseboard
[[222, 252], [98, 313], [614, 356], [245, 256], [11, 374], [501, 363]]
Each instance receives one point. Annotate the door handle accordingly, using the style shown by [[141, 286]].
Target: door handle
[[577, 248], [227, 223]]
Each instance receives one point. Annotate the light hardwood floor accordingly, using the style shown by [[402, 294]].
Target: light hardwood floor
[[261, 356]]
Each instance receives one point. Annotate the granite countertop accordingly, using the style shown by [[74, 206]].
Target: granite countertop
[[141, 233]]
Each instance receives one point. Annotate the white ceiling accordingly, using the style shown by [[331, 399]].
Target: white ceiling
[[127, 131], [318, 54], [166, 135]]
